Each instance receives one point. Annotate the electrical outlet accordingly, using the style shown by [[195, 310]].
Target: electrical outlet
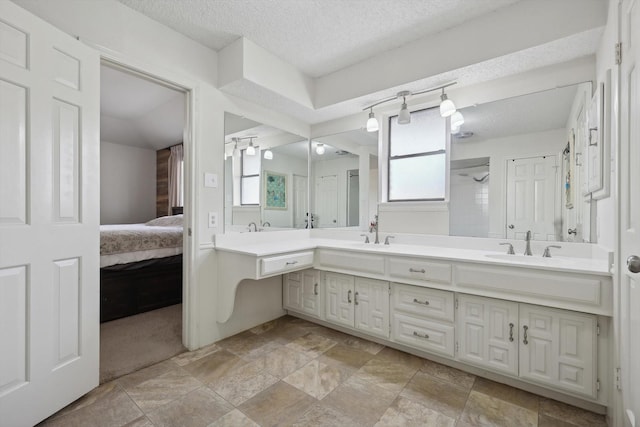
[[213, 219], [211, 180]]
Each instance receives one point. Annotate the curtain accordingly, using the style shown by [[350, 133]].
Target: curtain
[[176, 162]]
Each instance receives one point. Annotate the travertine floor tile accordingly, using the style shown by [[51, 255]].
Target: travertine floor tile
[[214, 366], [321, 415], [244, 382], [405, 412], [486, 411], [191, 356], [360, 400], [362, 344], [436, 394], [571, 414], [234, 418], [311, 345], [140, 422], [163, 389], [449, 374], [547, 421], [396, 356], [199, 408], [389, 375], [348, 356], [508, 394], [129, 381], [280, 404], [242, 343], [283, 361], [318, 379]]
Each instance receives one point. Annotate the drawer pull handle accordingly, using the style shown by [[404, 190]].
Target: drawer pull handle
[[349, 297], [292, 262], [415, 270], [511, 332], [417, 301], [525, 341], [419, 335], [355, 298], [315, 289]]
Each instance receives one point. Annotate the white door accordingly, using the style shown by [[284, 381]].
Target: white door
[[327, 202], [630, 211], [558, 347], [300, 202], [371, 300], [49, 218], [339, 298], [311, 292], [488, 333], [531, 198]]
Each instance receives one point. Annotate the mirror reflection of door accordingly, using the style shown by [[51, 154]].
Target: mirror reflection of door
[[353, 197], [531, 198], [327, 201], [300, 207]]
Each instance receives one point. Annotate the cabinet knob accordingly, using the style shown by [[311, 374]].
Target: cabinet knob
[[415, 270], [355, 298], [511, 332], [349, 297], [419, 335], [315, 289], [417, 301], [633, 264], [525, 341]]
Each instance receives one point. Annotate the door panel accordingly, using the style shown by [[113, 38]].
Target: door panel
[[327, 205], [339, 298], [311, 302], [49, 241], [371, 299]]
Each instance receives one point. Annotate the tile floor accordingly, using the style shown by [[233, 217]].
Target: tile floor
[[290, 372]]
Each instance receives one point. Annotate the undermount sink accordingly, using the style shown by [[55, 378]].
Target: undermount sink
[[519, 258]]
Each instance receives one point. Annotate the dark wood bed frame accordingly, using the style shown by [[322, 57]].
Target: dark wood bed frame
[[127, 292]]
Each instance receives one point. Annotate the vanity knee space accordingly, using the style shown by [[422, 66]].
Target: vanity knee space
[[550, 347]]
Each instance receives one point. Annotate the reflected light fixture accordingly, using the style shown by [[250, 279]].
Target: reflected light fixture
[[251, 150], [457, 120], [268, 154], [447, 107], [320, 148], [236, 150], [372, 122]]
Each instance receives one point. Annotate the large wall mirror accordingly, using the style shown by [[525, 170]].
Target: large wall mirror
[[344, 175], [266, 177], [517, 164]]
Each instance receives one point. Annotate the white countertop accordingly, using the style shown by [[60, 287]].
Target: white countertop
[[282, 244]]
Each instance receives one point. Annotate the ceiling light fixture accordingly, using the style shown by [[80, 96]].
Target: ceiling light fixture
[[372, 123], [268, 154], [251, 150], [320, 148], [457, 119], [447, 107]]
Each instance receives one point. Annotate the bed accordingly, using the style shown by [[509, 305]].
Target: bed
[[140, 267]]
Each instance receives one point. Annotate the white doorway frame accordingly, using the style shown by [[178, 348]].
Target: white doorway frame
[[190, 90]]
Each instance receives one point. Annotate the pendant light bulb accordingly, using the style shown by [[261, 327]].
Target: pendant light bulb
[[251, 150], [236, 151], [320, 148], [268, 155], [457, 120], [404, 117], [447, 107], [372, 123]]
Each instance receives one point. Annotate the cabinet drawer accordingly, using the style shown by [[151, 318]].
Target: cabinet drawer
[[419, 269], [423, 334], [423, 302], [351, 261], [282, 263]]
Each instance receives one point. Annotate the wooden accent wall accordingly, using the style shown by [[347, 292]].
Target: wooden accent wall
[[162, 182]]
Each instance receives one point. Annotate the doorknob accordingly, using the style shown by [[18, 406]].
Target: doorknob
[[633, 264], [511, 226]]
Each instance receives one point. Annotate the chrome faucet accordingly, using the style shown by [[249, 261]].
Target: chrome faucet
[[374, 227], [527, 249], [255, 227], [266, 224]]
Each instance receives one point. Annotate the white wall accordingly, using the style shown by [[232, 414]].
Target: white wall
[[338, 167], [289, 166], [127, 184], [469, 202]]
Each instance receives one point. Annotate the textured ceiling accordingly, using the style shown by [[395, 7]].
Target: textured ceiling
[[316, 36]]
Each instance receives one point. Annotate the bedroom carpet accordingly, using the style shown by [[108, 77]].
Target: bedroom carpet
[[135, 342]]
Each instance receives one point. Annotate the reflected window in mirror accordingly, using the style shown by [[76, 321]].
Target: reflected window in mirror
[[417, 157], [250, 178]]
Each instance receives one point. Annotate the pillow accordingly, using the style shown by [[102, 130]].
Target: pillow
[[166, 221]]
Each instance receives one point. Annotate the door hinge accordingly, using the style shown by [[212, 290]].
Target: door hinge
[[598, 385], [598, 329], [618, 376], [389, 289], [457, 346], [618, 53]]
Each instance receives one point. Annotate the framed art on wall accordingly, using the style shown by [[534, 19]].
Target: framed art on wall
[[275, 190]]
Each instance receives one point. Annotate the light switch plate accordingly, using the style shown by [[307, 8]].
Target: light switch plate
[[211, 180], [213, 219]]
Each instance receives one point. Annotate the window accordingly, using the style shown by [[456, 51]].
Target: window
[[250, 178], [417, 157]]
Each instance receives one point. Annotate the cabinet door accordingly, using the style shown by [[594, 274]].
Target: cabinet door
[[488, 333], [371, 300], [311, 296], [558, 347], [339, 307], [292, 291]]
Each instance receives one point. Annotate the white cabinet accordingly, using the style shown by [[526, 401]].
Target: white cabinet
[[358, 303], [302, 292], [488, 333], [558, 348], [423, 318]]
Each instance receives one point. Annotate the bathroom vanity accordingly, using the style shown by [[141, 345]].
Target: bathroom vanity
[[534, 322]]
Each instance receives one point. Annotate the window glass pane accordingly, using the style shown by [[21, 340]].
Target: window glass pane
[[251, 190], [425, 133], [416, 178], [251, 164]]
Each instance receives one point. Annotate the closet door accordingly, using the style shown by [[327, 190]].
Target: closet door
[[49, 213]]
